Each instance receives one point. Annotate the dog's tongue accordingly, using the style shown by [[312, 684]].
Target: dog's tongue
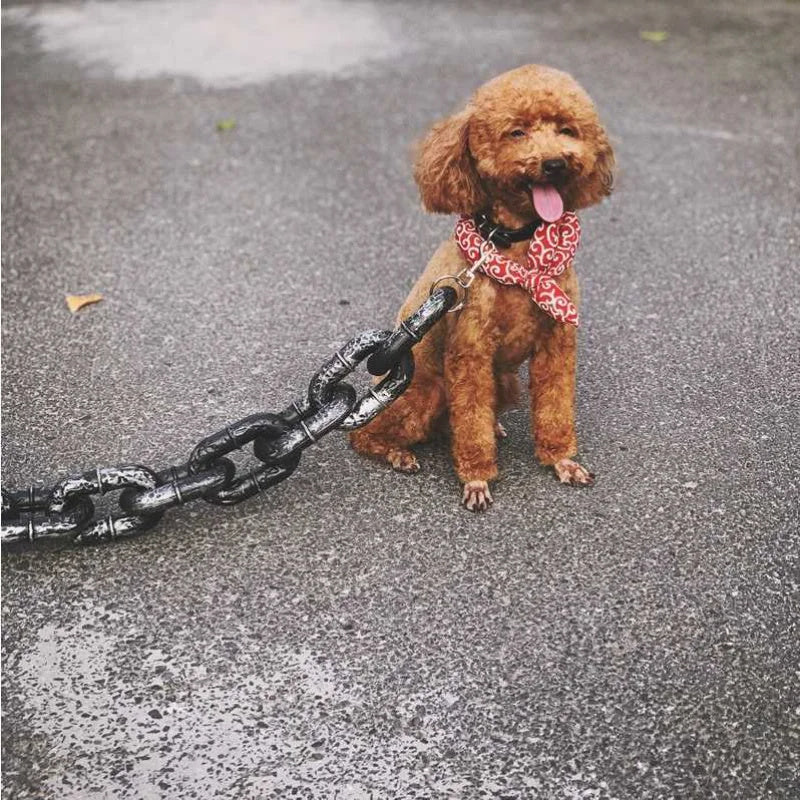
[[547, 202]]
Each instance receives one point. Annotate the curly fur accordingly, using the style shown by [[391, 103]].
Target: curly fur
[[467, 366]]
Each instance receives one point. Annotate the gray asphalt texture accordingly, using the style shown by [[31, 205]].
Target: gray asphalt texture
[[354, 633]]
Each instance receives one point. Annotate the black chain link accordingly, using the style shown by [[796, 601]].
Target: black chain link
[[278, 441]]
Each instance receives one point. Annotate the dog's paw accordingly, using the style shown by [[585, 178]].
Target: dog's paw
[[477, 496], [403, 461], [571, 472], [499, 431]]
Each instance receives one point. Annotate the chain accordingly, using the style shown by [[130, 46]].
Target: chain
[[278, 441]]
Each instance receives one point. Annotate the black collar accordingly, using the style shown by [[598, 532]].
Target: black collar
[[499, 235]]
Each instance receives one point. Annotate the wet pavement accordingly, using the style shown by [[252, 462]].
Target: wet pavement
[[354, 633]]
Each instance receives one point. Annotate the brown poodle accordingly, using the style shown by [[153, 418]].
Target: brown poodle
[[527, 148]]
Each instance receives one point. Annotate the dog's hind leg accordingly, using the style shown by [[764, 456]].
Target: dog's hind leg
[[507, 397], [409, 420], [507, 390]]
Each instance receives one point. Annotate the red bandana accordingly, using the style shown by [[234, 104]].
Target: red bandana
[[550, 252]]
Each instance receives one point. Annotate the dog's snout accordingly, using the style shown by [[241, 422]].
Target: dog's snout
[[554, 167]]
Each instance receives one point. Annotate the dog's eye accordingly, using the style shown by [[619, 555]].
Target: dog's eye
[[517, 133], [566, 131]]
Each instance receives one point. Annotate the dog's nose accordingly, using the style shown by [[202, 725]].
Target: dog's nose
[[553, 167]]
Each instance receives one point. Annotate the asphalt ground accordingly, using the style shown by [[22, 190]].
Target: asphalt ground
[[354, 633]]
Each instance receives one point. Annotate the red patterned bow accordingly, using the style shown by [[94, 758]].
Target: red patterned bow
[[550, 252]]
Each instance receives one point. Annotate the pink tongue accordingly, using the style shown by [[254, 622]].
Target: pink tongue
[[547, 202]]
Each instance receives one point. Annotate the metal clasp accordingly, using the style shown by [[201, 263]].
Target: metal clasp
[[465, 278]]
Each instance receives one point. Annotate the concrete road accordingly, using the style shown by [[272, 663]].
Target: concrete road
[[354, 633]]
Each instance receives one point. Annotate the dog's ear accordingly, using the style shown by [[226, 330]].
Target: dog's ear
[[444, 171], [605, 164], [600, 181]]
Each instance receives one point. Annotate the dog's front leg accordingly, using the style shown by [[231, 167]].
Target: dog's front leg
[[552, 390], [471, 398]]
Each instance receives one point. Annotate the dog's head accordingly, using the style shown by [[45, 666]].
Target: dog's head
[[529, 140]]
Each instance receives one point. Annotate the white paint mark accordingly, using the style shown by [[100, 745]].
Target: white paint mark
[[216, 42]]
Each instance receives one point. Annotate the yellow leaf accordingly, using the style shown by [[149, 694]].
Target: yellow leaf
[[75, 302], [653, 36], [226, 125]]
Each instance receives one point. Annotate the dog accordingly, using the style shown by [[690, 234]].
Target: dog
[[526, 152]]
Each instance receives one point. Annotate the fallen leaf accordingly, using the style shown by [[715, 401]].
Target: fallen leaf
[[75, 302], [226, 125], [653, 36]]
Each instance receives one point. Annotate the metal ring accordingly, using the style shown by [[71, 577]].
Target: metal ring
[[378, 400], [408, 330], [307, 432], [345, 362], [462, 290]]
